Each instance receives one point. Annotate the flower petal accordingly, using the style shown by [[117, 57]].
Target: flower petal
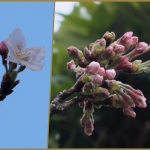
[[37, 66], [36, 53], [13, 59], [16, 39]]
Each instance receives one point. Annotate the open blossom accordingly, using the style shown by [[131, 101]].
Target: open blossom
[[28, 57]]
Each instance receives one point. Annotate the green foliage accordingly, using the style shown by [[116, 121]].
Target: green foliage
[[112, 127]]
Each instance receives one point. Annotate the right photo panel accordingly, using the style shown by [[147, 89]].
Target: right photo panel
[[100, 85]]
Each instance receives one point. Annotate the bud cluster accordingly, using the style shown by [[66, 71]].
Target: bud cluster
[[97, 66]]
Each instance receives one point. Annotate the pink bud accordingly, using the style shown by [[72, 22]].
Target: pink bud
[[97, 79], [129, 111], [83, 120], [118, 48], [89, 127], [73, 52], [110, 74], [141, 46], [3, 51], [108, 53], [71, 65], [101, 71], [138, 99], [135, 40], [140, 102], [122, 63], [125, 37], [93, 67]]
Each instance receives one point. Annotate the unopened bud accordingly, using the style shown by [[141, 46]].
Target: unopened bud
[[71, 65], [108, 53], [110, 74], [3, 52], [93, 67], [109, 37], [88, 88]]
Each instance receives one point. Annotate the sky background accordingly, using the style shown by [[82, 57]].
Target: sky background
[[24, 113], [66, 9]]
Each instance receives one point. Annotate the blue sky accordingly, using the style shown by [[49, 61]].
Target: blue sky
[[24, 113]]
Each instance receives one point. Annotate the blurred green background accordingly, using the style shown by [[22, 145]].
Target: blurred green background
[[113, 129]]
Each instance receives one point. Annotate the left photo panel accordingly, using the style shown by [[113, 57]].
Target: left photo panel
[[26, 32]]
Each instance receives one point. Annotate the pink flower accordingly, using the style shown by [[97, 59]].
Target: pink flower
[[108, 53], [139, 49], [101, 71], [97, 79], [89, 127], [110, 74], [71, 65], [83, 120], [138, 99], [129, 111], [125, 37], [135, 40], [3, 51], [93, 67], [118, 48], [122, 63], [127, 40]]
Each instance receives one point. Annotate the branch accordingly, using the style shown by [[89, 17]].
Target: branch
[[62, 107], [56, 105], [6, 86]]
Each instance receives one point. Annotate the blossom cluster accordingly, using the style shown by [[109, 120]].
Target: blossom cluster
[[97, 67], [14, 52]]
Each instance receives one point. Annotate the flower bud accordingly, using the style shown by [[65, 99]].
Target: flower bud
[[101, 71], [77, 56], [138, 99], [139, 49], [121, 63], [108, 53], [125, 37], [88, 88], [126, 98], [100, 93], [87, 53], [98, 47], [112, 85], [110, 74], [129, 111], [135, 40], [97, 79], [118, 48], [93, 67], [73, 52], [89, 127], [3, 52], [109, 37], [83, 120], [71, 65]]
